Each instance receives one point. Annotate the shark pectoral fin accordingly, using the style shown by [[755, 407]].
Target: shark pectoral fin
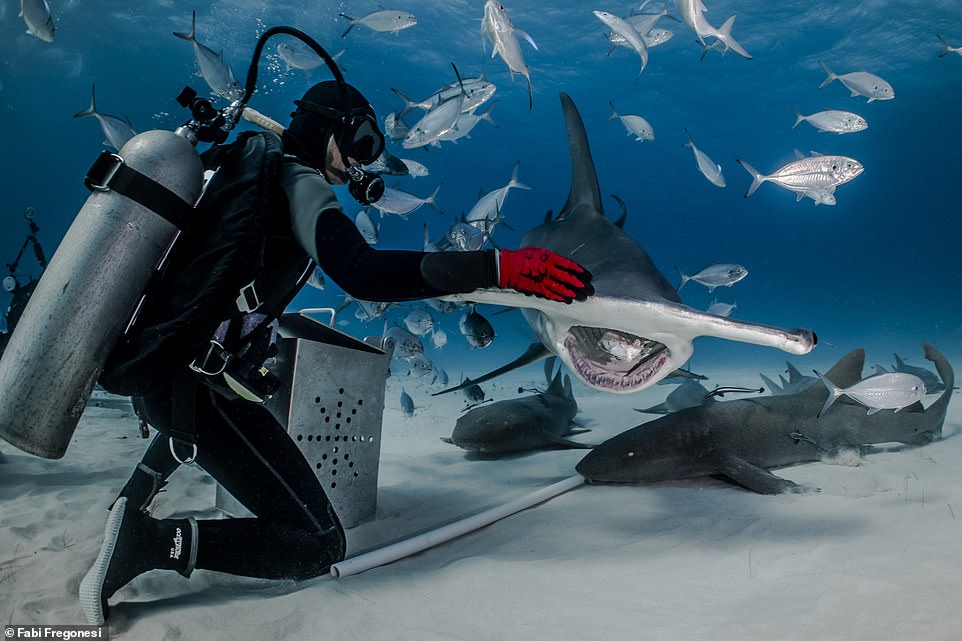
[[561, 441], [753, 477], [535, 351]]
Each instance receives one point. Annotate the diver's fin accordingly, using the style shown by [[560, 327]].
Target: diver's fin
[[535, 352]]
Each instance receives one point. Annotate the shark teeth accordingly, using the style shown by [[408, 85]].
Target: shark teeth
[[614, 360]]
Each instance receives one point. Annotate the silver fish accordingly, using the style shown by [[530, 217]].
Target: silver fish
[[466, 237], [213, 69], [407, 404], [477, 91], [394, 127], [860, 83], [438, 121], [691, 13], [303, 58], [476, 328], [833, 120], [116, 130], [490, 205], [439, 338], [718, 275], [496, 25], [466, 124], [635, 124], [383, 20], [807, 174], [948, 48], [401, 203], [415, 169], [366, 226], [419, 322], [406, 344], [628, 32], [419, 366], [889, 391], [708, 167], [722, 309], [36, 13]]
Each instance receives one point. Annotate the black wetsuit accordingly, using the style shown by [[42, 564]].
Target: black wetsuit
[[295, 534]]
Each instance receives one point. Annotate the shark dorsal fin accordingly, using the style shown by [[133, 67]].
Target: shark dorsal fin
[[584, 194], [848, 371]]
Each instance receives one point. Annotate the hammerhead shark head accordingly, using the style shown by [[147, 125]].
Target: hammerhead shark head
[[742, 439], [634, 330]]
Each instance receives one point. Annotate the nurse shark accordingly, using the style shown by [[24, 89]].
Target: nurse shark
[[634, 330], [742, 440]]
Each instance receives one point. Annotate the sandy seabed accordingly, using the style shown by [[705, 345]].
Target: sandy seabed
[[874, 555]]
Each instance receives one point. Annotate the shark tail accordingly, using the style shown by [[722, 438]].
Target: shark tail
[[350, 26], [831, 74], [725, 35], [757, 178], [92, 109], [189, 36], [834, 391]]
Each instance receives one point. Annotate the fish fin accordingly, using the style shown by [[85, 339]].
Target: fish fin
[[535, 352], [661, 408], [753, 477], [350, 26], [834, 391], [757, 178], [447, 439], [775, 389], [798, 118], [526, 37], [561, 441], [92, 109], [872, 410], [430, 199], [831, 74], [189, 36], [684, 278]]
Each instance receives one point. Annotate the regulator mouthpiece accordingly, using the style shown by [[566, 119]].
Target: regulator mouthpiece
[[365, 186]]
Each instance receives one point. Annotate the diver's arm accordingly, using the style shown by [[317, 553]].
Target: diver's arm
[[334, 242]]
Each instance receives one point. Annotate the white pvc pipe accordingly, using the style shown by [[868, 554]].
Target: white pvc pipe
[[415, 544]]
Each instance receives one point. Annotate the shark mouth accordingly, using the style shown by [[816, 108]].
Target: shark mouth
[[612, 360]]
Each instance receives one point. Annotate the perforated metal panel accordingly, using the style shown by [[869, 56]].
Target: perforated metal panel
[[332, 403]]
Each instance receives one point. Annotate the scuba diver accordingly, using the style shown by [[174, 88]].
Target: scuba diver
[[294, 533], [21, 291]]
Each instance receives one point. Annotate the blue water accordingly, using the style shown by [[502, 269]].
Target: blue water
[[878, 270]]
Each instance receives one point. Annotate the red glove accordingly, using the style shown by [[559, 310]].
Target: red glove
[[543, 273]]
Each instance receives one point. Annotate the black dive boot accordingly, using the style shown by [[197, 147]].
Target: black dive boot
[[133, 544]]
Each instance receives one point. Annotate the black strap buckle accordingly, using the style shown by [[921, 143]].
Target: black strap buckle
[[103, 170], [214, 362]]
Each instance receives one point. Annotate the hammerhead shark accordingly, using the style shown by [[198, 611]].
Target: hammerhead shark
[[743, 439], [634, 330]]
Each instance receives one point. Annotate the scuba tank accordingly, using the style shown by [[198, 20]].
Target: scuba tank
[[92, 285]]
